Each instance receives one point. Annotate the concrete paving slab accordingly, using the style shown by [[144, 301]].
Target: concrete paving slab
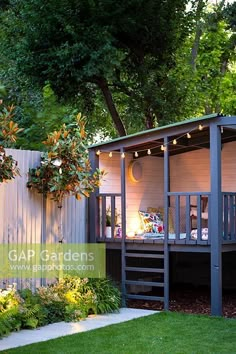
[[55, 330]]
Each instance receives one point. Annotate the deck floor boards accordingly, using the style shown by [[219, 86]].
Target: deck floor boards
[[174, 245]]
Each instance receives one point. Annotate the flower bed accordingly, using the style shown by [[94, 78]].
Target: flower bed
[[68, 299]]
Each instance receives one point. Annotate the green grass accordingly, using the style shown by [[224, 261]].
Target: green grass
[[159, 333]]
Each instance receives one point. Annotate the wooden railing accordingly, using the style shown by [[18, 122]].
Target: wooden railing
[[229, 217], [185, 228], [109, 213], [190, 217], [202, 222]]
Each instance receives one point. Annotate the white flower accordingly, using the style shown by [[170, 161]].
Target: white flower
[[57, 162]]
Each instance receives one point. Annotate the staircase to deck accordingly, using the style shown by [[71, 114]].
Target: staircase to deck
[[144, 275]]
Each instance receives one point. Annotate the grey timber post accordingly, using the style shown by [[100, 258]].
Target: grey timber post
[[93, 222], [123, 227], [216, 220], [166, 231]]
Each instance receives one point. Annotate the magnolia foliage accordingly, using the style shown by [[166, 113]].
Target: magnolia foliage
[[65, 168]]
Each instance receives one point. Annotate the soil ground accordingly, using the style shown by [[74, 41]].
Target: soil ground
[[190, 300]]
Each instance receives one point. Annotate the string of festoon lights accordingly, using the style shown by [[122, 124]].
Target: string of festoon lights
[[162, 146]]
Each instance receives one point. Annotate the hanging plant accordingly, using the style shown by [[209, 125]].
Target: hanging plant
[[65, 168], [8, 135]]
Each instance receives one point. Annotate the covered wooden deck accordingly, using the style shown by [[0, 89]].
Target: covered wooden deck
[[169, 148], [180, 240]]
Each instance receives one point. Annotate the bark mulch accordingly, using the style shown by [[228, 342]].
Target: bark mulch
[[194, 301]]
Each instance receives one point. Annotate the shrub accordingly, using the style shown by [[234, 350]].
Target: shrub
[[32, 313], [65, 169], [9, 321], [69, 299], [73, 298], [9, 309], [8, 299], [108, 297], [53, 302]]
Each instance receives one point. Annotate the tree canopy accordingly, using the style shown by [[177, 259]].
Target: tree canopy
[[120, 49], [128, 65], [205, 73]]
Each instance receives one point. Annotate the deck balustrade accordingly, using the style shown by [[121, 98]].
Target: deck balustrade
[[187, 227]]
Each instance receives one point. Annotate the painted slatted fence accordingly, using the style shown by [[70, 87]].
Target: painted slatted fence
[[25, 217]]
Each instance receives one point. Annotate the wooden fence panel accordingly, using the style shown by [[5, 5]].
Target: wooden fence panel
[[25, 217]]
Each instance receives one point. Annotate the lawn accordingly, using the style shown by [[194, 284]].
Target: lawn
[[159, 333]]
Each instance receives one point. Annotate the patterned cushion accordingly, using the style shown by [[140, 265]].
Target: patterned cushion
[[151, 222], [204, 235], [160, 210]]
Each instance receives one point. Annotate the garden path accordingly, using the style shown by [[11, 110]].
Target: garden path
[[55, 330]]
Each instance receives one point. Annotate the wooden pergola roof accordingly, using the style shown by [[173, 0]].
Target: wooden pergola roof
[[184, 136]]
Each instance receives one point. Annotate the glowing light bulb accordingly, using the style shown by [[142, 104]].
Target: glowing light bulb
[[162, 147], [110, 154], [123, 155], [200, 127], [136, 154], [149, 152], [174, 141], [188, 135], [98, 152]]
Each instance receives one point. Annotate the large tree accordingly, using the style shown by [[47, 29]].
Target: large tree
[[205, 72], [119, 50]]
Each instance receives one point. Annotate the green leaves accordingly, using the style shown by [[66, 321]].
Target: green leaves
[[8, 167], [8, 135], [69, 299], [140, 49], [76, 47], [65, 168], [8, 128], [208, 85]]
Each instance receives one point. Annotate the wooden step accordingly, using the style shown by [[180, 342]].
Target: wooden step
[[145, 297], [145, 283], [140, 269], [144, 255]]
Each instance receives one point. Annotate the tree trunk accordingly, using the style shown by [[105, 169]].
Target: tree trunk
[[149, 119], [198, 34], [208, 109], [103, 85], [195, 47]]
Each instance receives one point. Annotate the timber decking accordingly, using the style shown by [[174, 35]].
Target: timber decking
[[174, 245]]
